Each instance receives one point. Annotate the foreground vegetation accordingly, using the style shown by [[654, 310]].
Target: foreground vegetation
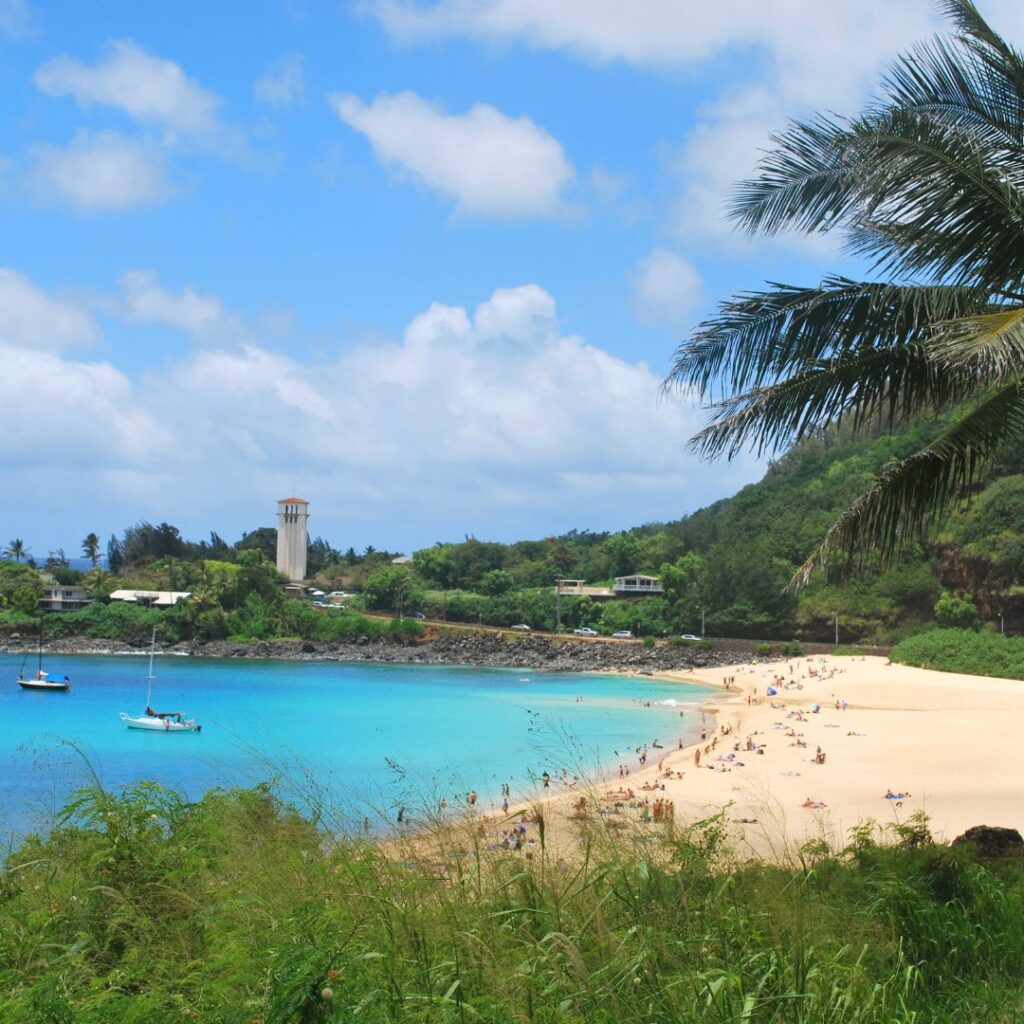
[[963, 650], [141, 907]]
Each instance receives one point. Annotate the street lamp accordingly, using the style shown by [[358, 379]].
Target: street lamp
[[701, 607], [1000, 620], [836, 614]]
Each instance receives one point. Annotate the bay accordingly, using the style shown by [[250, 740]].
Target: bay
[[360, 739]]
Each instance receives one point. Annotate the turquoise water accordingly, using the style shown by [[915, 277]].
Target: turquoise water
[[370, 737]]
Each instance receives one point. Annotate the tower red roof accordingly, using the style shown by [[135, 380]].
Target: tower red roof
[[293, 501]]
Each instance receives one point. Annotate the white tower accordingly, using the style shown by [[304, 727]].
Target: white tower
[[292, 519]]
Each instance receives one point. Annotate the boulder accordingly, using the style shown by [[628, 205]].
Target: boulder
[[992, 841]]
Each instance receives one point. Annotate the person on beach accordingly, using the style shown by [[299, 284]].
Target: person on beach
[[546, 779], [472, 798]]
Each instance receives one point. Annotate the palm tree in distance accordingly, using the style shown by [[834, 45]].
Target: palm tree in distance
[[927, 184], [16, 549], [91, 549]]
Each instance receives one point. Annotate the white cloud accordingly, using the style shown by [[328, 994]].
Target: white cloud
[[32, 319], [65, 414], [282, 85], [649, 33], [794, 56], [16, 19], [151, 90], [490, 164], [144, 301], [667, 290], [99, 171], [543, 430]]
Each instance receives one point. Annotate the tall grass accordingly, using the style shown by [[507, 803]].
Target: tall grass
[[142, 907]]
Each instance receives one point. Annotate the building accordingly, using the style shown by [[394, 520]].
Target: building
[[625, 586], [151, 598], [292, 538], [636, 586], [579, 588], [60, 598]]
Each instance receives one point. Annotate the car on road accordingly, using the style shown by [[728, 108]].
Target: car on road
[[521, 626], [415, 615], [689, 636], [586, 631], [622, 634]]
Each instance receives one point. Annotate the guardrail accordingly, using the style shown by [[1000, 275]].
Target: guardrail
[[810, 647]]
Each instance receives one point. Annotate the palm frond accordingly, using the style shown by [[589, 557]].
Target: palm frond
[[972, 26], [935, 198], [913, 493], [805, 182], [874, 385], [760, 338], [991, 343]]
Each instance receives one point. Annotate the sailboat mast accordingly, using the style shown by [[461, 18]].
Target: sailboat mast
[[149, 678], [39, 670]]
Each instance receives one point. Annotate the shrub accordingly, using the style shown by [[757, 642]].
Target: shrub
[[765, 650], [952, 612], [649, 641], [964, 650], [792, 649]]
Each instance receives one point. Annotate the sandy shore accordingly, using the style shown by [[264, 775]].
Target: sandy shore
[[952, 742]]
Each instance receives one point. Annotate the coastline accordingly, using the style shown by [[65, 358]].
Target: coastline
[[945, 742], [483, 649]]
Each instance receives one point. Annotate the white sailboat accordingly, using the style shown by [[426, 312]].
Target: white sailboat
[[158, 721], [46, 681]]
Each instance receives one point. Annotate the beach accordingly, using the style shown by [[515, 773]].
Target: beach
[[943, 744]]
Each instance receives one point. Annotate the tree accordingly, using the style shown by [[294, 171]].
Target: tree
[[956, 612], [496, 582], [91, 549], [393, 588], [927, 185], [115, 556], [16, 549]]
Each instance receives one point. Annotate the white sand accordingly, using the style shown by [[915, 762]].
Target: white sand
[[954, 742]]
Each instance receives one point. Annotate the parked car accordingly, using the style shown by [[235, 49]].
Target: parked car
[[415, 615], [586, 631], [521, 626], [689, 636], [622, 634]]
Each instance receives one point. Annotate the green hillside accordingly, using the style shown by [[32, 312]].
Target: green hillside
[[733, 559]]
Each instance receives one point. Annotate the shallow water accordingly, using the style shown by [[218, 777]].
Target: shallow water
[[367, 736]]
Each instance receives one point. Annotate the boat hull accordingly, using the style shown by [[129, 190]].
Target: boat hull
[[159, 724], [44, 684]]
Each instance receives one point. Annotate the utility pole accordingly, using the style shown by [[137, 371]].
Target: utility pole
[[558, 605], [1001, 620], [836, 614], [701, 621]]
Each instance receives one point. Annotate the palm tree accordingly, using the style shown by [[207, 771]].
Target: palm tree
[[91, 549], [928, 185], [16, 549]]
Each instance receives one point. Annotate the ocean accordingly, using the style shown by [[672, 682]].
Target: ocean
[[360, 739]]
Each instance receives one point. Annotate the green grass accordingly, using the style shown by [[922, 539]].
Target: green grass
[[963, 650], [142, 907]]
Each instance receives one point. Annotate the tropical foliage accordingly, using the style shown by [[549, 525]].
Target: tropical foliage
[[928, 186], [964, 650]]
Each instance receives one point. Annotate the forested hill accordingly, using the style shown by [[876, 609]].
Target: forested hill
[[752, 543]]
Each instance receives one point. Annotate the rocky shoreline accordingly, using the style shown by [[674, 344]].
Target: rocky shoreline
[[488, 649]]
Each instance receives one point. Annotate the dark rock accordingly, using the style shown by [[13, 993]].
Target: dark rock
[[992, 841], [308, 648]]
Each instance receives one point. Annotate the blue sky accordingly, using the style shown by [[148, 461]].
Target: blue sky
[[423, 264]]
